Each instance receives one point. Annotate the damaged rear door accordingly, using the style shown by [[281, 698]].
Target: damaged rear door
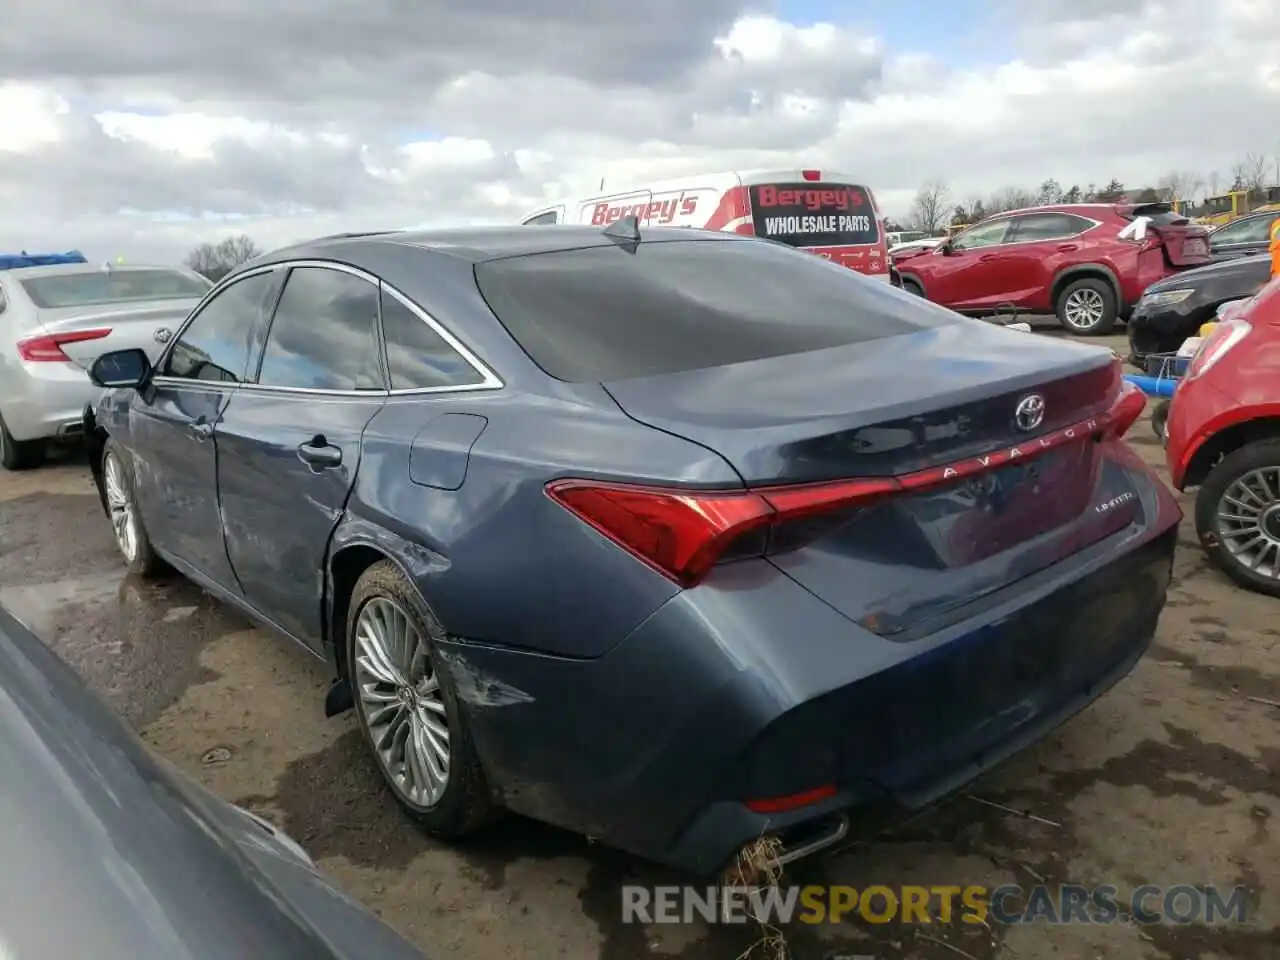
[[289, 445]]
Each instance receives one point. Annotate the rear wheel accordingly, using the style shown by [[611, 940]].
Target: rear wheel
[[122, 507], [19, 454], [408, 706], [1238, 516], [1087, 307]]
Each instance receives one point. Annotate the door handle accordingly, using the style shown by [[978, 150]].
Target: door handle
[[201, 429], [1068, 247], [986, 258], [319, 453]]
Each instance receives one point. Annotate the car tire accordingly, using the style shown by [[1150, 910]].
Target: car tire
[[1087, 307], [119, 497], [19, 454], [388, 696], [912, 285], [1159, 417], [1234, 468]]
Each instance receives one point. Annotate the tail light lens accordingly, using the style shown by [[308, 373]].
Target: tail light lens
[[684, 533], [48, 348], [1125, 411], [1225, 335]]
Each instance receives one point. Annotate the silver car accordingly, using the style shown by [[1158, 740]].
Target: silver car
[[55, 320]]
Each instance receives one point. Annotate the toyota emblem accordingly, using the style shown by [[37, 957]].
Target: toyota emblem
[[1029, 413]]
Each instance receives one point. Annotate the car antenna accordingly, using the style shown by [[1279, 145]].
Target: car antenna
[[627, 229]]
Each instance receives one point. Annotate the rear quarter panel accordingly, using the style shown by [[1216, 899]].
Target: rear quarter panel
[[498, 560]]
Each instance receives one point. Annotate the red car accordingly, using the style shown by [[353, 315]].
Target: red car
[[1089, 263], [1223, 436]]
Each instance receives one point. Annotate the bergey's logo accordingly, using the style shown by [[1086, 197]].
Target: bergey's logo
[[1029, 413]]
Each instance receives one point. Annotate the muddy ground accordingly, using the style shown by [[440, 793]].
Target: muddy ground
[[1171, 778]]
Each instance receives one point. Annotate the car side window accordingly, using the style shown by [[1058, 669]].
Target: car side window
[[1047, 226], [983, 235], [1257, 230], [417, 357], [1233, 233], [540, 219], [217, 342], [324, 335]]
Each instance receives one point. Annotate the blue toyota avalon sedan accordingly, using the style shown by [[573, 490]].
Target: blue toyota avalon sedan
[[672, 538]]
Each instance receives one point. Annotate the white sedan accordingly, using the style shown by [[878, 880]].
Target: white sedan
[[55, 320]]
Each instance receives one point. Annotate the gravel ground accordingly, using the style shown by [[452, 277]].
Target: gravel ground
[[1171, 778]]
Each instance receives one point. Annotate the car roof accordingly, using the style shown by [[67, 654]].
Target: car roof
[[480, 244], [63, 269]]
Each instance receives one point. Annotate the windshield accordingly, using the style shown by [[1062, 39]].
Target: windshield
[[609, 313], [814, 214], [115, 286]]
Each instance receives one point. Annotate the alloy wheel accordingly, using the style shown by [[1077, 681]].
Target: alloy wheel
[[1248, 518], [1084, 309], [124, 519], [399, 697]]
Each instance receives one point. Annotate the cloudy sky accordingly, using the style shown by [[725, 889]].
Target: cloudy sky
[[141, 127]]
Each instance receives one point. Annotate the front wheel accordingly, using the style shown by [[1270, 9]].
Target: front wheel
[[408, 706], [120, 498], [912, 285], [1087, 307], [1238, 516]]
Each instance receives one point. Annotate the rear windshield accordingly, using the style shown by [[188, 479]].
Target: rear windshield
[[814, 214], [101, 286], [606, 313]]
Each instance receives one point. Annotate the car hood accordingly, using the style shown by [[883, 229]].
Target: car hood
[[1242, 270], [111, 853]]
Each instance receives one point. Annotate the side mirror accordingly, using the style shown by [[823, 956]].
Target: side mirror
[[121, 368], [945, 249]]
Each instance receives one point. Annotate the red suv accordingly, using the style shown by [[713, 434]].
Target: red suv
[[1223, 436], [1089, 263]]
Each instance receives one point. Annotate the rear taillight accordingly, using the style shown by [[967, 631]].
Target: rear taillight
[[684, 533], [1125, 411], [1224, 336], [47, 348]]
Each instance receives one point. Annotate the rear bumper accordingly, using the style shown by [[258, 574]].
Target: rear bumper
[[46, 400], [750, 688]]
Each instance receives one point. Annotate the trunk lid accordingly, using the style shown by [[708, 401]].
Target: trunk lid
[[939, 404], [1185, 244], [131, 325]]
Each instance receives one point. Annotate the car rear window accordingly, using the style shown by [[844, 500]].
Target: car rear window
[[114, 286], [609, 313], [814, 214]]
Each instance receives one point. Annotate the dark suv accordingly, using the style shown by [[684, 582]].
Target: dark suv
[[1088, 263]]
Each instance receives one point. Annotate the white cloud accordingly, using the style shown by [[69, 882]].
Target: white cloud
[[198, 122]]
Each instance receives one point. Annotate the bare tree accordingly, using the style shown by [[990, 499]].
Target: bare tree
[[1050, 192], [1011, 198], [929, 208], [215, 261], [1250, 172], [1178, 185], [1212, 183]]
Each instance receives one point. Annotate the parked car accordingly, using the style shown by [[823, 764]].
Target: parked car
[[1086, 263], [1244, 237], [672, 541], [111, 852], [1223, 437], [1175, 308], [54, 321]]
